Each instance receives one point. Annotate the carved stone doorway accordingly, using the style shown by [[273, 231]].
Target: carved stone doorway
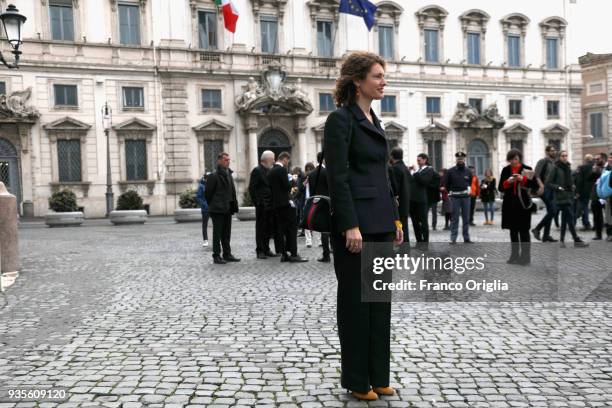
[[274, 140]]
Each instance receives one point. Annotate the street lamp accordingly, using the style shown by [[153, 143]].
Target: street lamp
[[107, 115], [12, 22]]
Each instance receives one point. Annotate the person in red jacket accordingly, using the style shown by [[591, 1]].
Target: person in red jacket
[[474, 193]]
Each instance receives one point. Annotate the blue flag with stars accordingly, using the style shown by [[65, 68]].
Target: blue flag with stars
[[360, 8]]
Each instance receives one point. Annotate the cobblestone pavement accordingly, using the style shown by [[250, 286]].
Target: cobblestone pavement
[[139, 316]]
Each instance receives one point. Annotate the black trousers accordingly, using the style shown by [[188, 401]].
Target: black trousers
[[286, 230], [567, 221], [265, 229], [205, 217], [364, 328], [418, 213], [521, 245], [222, 232], [472, 208], [598, 218], [325, 243]]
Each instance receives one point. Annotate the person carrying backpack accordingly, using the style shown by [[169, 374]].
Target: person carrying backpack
[[201, 199]]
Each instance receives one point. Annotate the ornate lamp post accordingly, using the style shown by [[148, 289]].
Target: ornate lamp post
[[12, 22], [107, 114]]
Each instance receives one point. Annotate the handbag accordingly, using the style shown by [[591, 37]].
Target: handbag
[[317, 208]]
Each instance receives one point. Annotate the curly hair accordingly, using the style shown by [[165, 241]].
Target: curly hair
[[355, 66]]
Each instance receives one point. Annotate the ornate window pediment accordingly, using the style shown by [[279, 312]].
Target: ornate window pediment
[[323, 8], [434, 131], [213, 130], [390, 11], [515, 22], [277, 6], [134, 129], [474, 19], [431, 15], [67, 126], [553, 25], [555, 130], [517, 130]]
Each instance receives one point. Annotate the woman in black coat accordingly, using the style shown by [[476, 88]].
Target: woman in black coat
[[515, 181], [364, 210]]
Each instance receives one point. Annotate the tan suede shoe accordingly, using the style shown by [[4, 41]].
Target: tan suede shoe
[[368, 396], [384, 390]]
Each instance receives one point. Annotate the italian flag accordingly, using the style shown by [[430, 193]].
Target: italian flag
[[230, 14]]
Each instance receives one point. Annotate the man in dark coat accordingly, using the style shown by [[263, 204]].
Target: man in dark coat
[[542, 171], [261, 195], [222, 203], [401, 182], [317, 185], [457, 181], [284, 209], [584, 186], [597, 207], [419, 205]]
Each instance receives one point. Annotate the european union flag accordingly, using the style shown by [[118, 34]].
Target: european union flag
[[360, 8]]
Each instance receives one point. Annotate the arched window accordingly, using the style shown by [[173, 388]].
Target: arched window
[[474, 27], [431, 29], [553, 37], [514, 27], [479, 156]]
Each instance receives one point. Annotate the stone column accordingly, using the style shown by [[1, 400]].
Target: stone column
[[251, 128], [300, 128], [9, 248]]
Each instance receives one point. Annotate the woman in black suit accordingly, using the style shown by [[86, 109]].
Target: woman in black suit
[[364, 210], [515, 180]]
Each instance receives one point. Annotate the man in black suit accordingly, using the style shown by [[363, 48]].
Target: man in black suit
[[220, 194], [261, 195], [317, 185], [418, 198], [284, 209], [401, 181]]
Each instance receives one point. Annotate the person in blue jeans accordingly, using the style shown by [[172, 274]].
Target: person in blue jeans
[[488, 188], [201, 199], [457, 182]]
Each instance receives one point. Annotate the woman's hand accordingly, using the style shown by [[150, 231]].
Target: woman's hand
[[354, 242], [399, 237]]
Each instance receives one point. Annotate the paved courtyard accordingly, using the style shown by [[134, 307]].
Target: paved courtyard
[[139, 316]]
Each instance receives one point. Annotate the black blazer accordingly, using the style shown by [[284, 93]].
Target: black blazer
[[278, 179], [259, 189], [422, 180], [358, 178], [220, 192], [322, 186], [403, 180]]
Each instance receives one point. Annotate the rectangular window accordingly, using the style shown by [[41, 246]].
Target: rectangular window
[[211, 99], [388, 105], [517, 144], [434, 150], [62, 22], [133, 97], [514, 51], [433, 105], [324, 38], [431, 46], [2, 88], [552, 109], [516, 108], [212, 148], [69, 160], [596, 121], [136, 159], [65, 95], [473, 40], [326, 102], [207, 30], [129, 24], [552, 53], [476, 103], [385, 42], [269, 34]]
